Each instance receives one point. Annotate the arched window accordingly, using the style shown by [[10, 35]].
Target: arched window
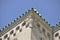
[[56, 34], [6, 36], [23, 23], [43, 31], [18, 28], [12, 32]]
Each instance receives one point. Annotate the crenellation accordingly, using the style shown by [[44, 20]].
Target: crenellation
[[13, 24], [3, 28], [17, 18], [29, 10], [49, 24], [56, 24], [38, 14], [30, 26], [23, 14], [44, 19], [59, 22], [26, 12], [33, 9], [9, 24], [14, 20]]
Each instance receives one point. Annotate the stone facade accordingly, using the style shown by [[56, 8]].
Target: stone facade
[[30, 26]]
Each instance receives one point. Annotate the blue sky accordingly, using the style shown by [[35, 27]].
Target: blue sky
[[11, 9]]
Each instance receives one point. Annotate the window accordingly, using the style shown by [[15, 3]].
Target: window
[[0, 38], [11, 32], [43, 31], [20, 30], [56, 34], [17, 28], [6, 36], [14, 34], [23, 23]]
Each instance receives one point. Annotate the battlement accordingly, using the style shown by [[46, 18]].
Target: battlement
[[18, 20], [22, 18]]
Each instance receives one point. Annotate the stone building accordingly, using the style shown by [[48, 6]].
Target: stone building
[[30, 26]]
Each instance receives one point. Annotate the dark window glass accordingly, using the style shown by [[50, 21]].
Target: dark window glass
[[20, 30], [23, 23], [56, 34], [17, 28], [6, 36], [43, 31], [11, 32], [0, 38], [14, 34]]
